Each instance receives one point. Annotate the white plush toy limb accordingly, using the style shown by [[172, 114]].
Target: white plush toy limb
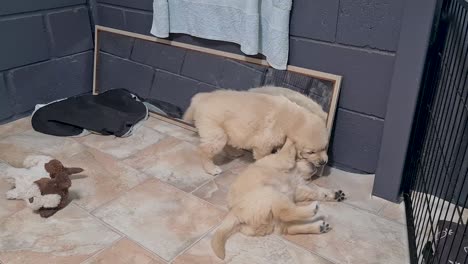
[[24, 178], [31, 194], [33, 169], [37, 201]]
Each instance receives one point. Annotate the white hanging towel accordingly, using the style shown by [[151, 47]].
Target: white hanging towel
[[258, 26]]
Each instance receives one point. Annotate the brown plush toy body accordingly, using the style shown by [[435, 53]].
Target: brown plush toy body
[[59, 183]]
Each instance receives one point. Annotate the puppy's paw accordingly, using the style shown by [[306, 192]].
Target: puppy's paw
[[315, 207], [340, 196], [325, 227]]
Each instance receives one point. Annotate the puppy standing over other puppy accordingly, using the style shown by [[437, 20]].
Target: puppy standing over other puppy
[[263, 200], [295, 97], [260, 122]]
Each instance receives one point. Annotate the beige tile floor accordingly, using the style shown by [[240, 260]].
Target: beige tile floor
[[145, 199]]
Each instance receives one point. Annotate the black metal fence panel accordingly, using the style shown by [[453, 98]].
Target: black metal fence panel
[[436, 170]]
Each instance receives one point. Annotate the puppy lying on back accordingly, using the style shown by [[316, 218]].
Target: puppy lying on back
[[254, 121], [295, 97], [263, 200]]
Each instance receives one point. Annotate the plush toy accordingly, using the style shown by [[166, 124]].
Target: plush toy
[[58, 184], [43, 183]]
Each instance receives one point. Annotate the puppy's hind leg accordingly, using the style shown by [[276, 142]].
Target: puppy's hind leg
[[316, 193], [213, 139], [318, 227], [287, 211]]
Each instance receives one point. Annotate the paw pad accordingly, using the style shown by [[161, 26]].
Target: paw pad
[[325, 227], [340, 196], [317, 206]]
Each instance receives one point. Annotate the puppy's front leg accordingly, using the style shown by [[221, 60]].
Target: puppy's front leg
[[213, 139], [259, 153], [316, 193], [284, 159]]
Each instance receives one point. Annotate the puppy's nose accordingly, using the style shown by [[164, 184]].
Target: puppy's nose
[[322, 162]]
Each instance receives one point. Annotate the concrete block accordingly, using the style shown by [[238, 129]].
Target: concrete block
[[176, 89], [22, 6], [138, 4], [139, 21], [356, 141], [115, 44], [208, 43], [374, 24], [111, 17], [70, 31], [366, 75], [239, 76], [314, 19], [24, 41], [159, 56], [6, 100], [51, 80], [115, 72], [204, 67]]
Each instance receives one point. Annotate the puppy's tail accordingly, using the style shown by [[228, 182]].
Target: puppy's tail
[[228, 227], [188, 115]]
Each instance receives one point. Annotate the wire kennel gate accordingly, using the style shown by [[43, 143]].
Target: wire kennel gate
[[435, 187]]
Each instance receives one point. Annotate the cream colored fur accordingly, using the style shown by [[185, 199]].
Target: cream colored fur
[[295, 97], [257, 122], [263, 200]]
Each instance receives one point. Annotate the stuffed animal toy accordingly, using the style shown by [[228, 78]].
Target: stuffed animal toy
[[43, 183], [58, 184]]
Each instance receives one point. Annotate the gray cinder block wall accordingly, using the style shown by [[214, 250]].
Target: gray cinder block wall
[[45, 53], [353, 38]]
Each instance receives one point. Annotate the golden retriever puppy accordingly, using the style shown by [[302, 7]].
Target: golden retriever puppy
[[295, 97], [263, 200], [257, 122]]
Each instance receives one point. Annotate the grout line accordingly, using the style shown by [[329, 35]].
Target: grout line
[[303, 248], [42, 11], [371, 212], [122, 234], [119, 195], [189, 194], [125, 235], [103, 249], [203, 184], [362, 114], [147, 249], [335, 36], [213, 179], [113, 229], [179, 72], [367, 48], [125, 8], [196, 241]]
